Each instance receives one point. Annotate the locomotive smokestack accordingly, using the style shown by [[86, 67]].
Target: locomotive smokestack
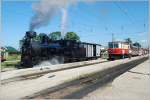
[[31, 34]]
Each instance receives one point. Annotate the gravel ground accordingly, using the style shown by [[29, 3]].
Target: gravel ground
[[20, 72], [132, 85]]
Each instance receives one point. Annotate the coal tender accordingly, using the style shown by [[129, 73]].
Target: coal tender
[[35, 51]]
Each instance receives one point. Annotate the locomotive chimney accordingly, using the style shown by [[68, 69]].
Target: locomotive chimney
[[31, 34]]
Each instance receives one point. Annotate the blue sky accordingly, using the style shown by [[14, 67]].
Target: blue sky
[[93, 22]]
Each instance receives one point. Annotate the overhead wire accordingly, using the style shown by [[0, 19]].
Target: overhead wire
[[106, 27], [124, 11], [91, 29]]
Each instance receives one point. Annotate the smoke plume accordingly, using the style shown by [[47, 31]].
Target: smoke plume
[[45, 10]]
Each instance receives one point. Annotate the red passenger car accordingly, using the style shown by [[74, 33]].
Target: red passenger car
[[118, 50]]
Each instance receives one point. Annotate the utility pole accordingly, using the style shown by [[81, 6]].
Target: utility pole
[[112, 40], [112, 37]]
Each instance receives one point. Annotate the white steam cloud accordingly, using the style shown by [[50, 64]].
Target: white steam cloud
[[64, 22], [55, 60], [45, 10]]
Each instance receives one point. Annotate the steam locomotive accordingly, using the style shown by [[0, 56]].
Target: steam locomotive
[[35, 51]]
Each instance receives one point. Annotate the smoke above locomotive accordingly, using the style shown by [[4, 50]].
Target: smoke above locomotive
[[45, 10]]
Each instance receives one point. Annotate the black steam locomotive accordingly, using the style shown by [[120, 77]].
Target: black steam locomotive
[[34, 51]]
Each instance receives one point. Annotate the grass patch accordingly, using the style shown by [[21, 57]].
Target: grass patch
[[14, 57], [9, 64], [10, 61]]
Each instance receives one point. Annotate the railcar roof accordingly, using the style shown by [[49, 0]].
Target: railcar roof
[[91, 43], [119, 42], [79, 42]]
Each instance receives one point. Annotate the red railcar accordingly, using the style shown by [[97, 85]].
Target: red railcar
[[118, 50]]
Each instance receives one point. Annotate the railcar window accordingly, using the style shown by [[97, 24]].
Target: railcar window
[[110, 45], [116, 46], [113, 45]]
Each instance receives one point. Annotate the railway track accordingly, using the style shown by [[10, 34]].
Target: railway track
[[76, 89], [43, 71]]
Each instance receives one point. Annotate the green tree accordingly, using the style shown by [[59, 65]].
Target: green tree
[[55, 35], [72, 36], [39, 37], [11, 49], [137, 44], [128, 40]]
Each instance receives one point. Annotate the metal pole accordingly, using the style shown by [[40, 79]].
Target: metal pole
[[112, 40], [112, 37]]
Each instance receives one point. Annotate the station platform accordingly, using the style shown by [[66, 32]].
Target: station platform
[[132, 85]]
